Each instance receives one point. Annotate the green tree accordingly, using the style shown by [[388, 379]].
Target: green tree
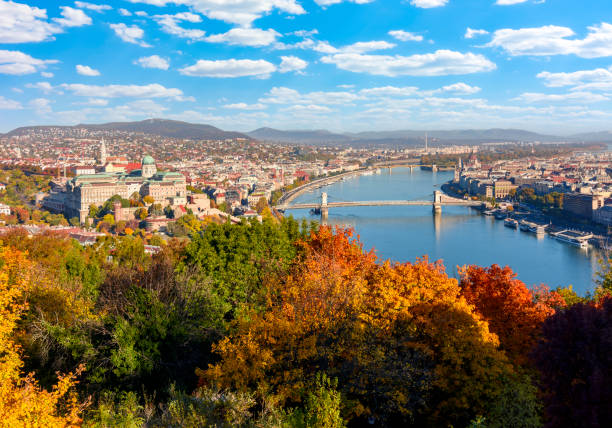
[[109, 219], [237, 258], [321, 407]]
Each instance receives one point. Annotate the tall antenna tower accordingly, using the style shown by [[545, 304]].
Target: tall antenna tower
[[426, 142]]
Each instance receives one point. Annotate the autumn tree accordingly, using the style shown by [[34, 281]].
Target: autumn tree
[[513, 312], [262, 203], [141, 213], [22, 401], [405, 347], [23, 215], [574, 359]]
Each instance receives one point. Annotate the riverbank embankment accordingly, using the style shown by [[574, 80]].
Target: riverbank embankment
[[315, 184]]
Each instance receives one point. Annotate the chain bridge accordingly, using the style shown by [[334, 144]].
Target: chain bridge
[[439, 199]]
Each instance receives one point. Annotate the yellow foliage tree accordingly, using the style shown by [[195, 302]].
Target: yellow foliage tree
[[22, 401], [399, 338]]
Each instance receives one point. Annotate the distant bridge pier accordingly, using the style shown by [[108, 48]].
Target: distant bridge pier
[[437, 203], [324, 208]]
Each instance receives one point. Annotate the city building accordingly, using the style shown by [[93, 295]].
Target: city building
[[83, 191], [582, 205], [603, 215], [502, 188]]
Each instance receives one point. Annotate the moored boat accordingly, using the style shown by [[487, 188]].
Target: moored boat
[[500, 215], [572, 237], [511, 223]]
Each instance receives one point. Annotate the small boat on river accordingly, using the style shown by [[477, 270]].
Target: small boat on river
[[511, 223]]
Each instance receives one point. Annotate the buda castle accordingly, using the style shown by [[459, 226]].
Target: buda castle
[[166, 188]]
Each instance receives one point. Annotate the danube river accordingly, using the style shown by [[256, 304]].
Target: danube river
[[459, 236]]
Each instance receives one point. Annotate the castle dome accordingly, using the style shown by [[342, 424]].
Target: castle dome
[[148, 160]]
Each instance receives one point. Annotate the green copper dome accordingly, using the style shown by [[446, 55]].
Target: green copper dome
[[148, 160]]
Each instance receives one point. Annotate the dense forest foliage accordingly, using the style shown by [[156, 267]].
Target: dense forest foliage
[[282, 324]]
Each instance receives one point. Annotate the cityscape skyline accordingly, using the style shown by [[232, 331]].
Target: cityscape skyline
[[342, 66]]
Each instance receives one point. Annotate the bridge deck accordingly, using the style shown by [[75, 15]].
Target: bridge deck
[[378, 204]]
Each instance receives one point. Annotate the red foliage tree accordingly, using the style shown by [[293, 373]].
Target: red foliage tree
[[513, 311]]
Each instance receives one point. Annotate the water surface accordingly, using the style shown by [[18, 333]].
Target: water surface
[[460, 236]]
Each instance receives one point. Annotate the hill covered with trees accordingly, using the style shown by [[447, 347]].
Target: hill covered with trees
[[288, 325]]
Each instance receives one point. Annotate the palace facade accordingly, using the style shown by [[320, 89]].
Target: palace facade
[[83, 191]]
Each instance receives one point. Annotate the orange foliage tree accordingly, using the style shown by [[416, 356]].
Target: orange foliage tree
[[22, 401], [399, 338], [513, 312]]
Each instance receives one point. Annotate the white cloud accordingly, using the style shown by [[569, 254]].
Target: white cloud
[[291, 63], [7, 104], [439, 63], [20, 23], [43, 86], [125, 12], [170, 24], [91, 6], [308, 108], [471, 33], [154, 90], [230, 68], [283, 95], [244, 106], [96, 102], [46, 74], [363, 47], [133, 34], [41, 105], [598, 75], [245, 37], [412, 91], [18, 63], [428, 4], [153, 61], [460, 88], [577, 97], [554, 40], [405, 36], [86, 70], [304, 33], [242, 12], [72, 17], [391, 91], [141, 13]]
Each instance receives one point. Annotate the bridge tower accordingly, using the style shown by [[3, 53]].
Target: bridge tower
[[437, 202], [324, 209]]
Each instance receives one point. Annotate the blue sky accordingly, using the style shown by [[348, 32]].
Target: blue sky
[[293, 64]]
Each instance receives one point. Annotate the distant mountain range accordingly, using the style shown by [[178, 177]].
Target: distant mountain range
[[160, 127], [412, 137], [177, 129]]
